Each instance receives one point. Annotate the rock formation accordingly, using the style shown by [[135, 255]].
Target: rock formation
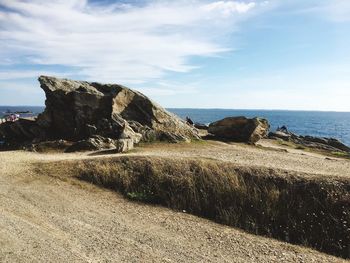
[[79, 111], [321, 143], [240, 129]]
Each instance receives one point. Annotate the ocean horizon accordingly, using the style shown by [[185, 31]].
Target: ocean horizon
[[333, 124]]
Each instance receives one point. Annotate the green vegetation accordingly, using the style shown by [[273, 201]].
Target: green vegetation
[[341, 154], [144, 195]]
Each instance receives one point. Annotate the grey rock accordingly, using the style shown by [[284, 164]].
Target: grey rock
[[78, 111], [240, 129], [201, 126], [95, 143], [322, 143], [331, 142], [21, 131], [72, 105], [124, 145], [48, 146], [91, 129], [280, 135]]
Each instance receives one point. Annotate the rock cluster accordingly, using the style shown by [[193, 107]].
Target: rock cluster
[[322, 143], [97, 116], [240, 129]]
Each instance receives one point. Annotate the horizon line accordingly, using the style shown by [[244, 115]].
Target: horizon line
[[214, 108]]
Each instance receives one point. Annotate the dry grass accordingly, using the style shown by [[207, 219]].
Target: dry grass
[[303, 210]]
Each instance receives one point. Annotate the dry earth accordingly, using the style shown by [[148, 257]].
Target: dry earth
[[268, 154], [43, 219]]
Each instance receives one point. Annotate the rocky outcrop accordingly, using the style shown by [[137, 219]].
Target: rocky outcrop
[[49, 146], [97, 143], [240, 129], [20, 131], [321, 143], [78, 111], [201, 126]]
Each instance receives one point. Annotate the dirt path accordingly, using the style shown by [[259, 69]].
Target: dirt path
[[46, 220], [267, 155]]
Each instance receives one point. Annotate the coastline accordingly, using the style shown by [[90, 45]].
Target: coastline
[[319, 123]]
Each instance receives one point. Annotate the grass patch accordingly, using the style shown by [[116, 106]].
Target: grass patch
[[300, 147], [144, 195], [341, 154], [311, 211]]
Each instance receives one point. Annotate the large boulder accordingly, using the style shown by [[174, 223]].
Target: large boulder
[[85, 112], [79, 109], [240, 129]]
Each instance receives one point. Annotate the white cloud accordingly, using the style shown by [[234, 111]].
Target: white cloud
[[228, 8], [164, 88], [336, 10], [114, 42], [22, 74], [332, 10]]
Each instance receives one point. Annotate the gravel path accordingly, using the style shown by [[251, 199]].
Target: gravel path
[[43, 219]]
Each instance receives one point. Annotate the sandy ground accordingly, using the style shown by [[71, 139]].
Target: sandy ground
[[268, 154], [43, 219]]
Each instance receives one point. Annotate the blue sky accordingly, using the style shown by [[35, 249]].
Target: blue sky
[[276, 54]]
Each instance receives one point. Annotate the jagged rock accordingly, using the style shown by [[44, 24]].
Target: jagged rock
[[171, 137], [240, 129], [91, 130], [280, 135], [128, 133], [201, 126], [20, 131], [124, 145], [98, 143], [95, 143], [74, 107], [322, 143], [78, 111], [48, 146], [331, 142]]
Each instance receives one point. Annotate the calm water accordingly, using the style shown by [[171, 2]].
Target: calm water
[[316, 123], [34, 111], [324, 124]]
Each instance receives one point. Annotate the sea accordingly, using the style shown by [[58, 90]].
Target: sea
[[315, 123]]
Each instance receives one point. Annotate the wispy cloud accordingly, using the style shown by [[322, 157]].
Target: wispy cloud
[[22, 74], [335, 10], [228, 8], [165, 88], [115, 42], [332, 10]]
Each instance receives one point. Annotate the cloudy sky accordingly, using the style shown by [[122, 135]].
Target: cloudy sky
[[275, 54]]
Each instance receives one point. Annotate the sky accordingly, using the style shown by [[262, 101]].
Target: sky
[[275, 54]]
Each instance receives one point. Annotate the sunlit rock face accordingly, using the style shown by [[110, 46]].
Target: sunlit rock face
[[240, 129], [79, 110]]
